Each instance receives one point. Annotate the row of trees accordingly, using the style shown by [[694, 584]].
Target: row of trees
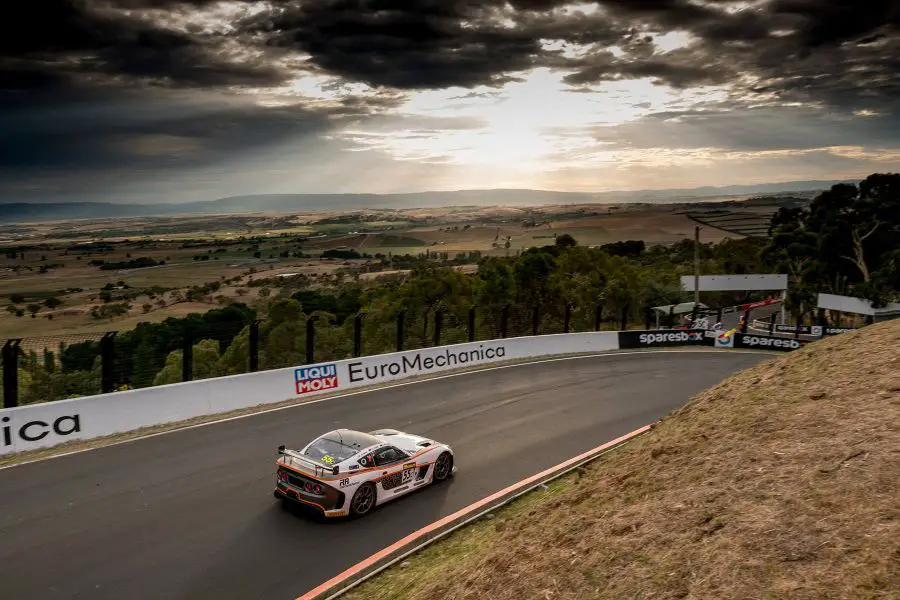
[[622, 277], [847, 241]]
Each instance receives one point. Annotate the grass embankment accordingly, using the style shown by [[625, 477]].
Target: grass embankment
[[781, 482]]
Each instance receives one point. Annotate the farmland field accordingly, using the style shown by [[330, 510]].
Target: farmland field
[[90, 276]]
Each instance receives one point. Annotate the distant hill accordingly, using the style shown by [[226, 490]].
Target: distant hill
[[46, 211]]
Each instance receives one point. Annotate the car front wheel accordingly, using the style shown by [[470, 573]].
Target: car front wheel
[[443, 467]]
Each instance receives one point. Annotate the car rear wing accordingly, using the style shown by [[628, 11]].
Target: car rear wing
[[304, 463]]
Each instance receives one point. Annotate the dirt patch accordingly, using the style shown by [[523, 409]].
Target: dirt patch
[[781, 482]]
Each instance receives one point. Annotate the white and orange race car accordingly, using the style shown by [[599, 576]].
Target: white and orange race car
[[348, 473]]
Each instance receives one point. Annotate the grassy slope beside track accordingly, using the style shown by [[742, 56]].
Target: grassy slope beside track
[[781, 482]]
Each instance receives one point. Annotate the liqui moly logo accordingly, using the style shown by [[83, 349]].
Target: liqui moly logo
[[316, 379]]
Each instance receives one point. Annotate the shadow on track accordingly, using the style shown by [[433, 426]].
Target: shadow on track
[[315, 543]]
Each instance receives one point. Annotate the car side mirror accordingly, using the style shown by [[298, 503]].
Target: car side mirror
[[281, 449]]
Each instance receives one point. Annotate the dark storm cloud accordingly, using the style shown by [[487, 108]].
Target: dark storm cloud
[[56, 41], [149, 133], [405, 45], [802, 48], [807, 50]]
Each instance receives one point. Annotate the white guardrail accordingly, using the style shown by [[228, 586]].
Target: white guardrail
[[49, 424]]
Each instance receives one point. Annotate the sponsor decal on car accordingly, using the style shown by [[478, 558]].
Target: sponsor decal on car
[[316, 378]]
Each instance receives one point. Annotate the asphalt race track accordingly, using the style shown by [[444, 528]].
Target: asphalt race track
[[190, 515]]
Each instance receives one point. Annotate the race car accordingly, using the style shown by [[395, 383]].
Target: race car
[[348, 473]]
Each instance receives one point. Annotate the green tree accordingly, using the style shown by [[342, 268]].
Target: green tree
[[844, 242], [205, 363]]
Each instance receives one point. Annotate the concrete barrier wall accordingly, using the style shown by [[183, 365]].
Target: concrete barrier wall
[[49, 424]]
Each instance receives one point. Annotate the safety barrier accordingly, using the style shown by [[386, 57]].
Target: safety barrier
[[48, 424]]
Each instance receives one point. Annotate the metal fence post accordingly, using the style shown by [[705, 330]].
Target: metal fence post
[[536, 320], [107, 360], [504, 322], [357, 335], [11, 373], [798, 326], [401, 322], [253, 350], [472, 324], [624, 323], [746, 321], [187, 357], [772, 318], [598, 316], [438, 323], [311, 339], [567, 319]]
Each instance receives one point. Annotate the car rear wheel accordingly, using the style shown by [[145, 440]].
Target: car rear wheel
[[443, 467], [363, 500]]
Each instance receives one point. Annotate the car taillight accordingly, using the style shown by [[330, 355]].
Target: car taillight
[[282, 475], [308, 486], [318, 489]]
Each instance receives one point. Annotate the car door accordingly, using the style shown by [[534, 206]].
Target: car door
[[397, 471]]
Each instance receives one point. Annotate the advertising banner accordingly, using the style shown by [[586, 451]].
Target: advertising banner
[[837, 330], [765, 342], [663, 338]]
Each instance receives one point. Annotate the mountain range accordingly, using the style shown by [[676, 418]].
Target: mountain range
[[19, 212]]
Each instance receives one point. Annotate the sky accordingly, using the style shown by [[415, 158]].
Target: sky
[[185, 100]]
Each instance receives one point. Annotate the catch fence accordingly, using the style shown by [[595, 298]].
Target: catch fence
[[44, 369]]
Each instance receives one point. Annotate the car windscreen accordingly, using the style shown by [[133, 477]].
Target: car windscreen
[[331, 450]]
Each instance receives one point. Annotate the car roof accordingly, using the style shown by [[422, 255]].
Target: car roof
[[353, 438]]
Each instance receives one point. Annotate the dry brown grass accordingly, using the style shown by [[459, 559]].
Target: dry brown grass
[[781, 482]]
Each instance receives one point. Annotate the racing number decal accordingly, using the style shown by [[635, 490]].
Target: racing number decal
[[345, 482], [328, 459], [408, 470]]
